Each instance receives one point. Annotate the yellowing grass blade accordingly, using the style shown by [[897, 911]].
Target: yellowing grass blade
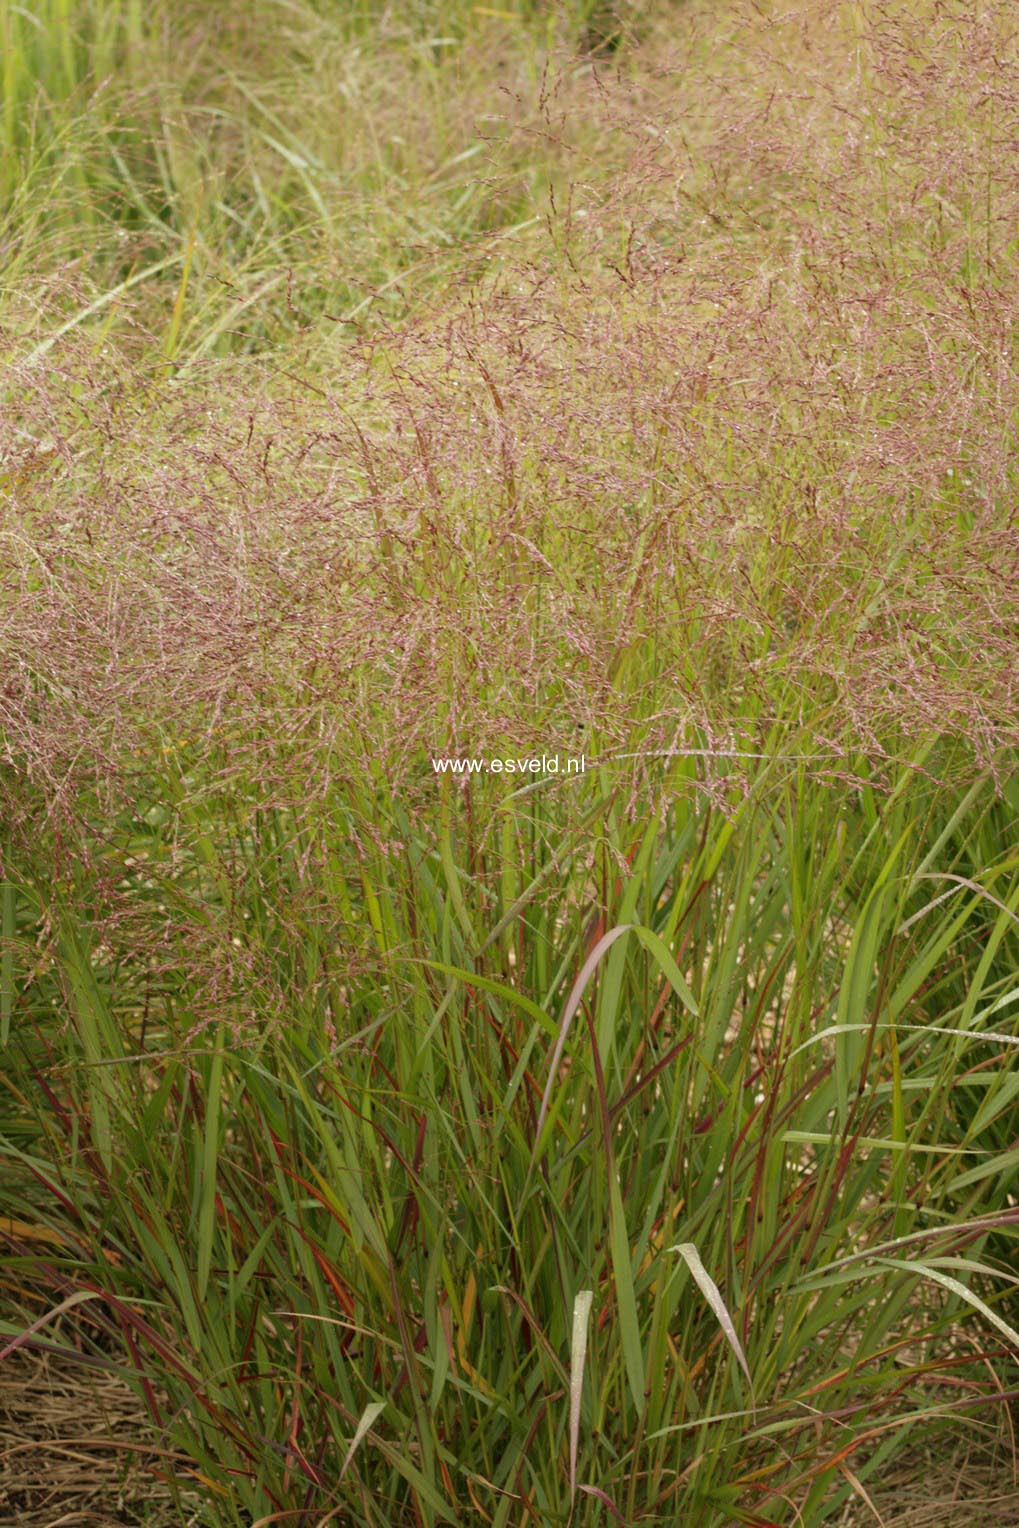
[[927, 1272], [369, 1417], [709, 1289], [578, 1357]]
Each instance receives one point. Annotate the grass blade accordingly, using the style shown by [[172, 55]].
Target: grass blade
[[210, 1155], [926, 1271], [572, 1004], [8, 929], [712, 1294], [369, 1417], [578, 1357]]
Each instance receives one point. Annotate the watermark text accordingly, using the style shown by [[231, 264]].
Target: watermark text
[[541, 764]]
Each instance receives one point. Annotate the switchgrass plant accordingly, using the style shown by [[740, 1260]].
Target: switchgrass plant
[[728, 1124], [719, 447], [293, 167], [635, 1144]]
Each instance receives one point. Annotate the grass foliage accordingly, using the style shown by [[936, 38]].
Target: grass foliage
[[387, 384]]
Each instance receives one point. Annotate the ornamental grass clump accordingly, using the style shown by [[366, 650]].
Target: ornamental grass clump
[[425, 1143]]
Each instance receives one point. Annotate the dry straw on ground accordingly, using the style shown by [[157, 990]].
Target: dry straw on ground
[[74, 1453], [74, 1449]]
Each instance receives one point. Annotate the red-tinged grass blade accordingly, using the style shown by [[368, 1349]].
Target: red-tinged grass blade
[[670, 971], [572, 1004], [604, 1497], [532, 1322], [578, 1357], [688, 1252], [78, 1298]]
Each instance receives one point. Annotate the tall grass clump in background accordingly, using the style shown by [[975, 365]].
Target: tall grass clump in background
[[419, 1146], [223, 183]]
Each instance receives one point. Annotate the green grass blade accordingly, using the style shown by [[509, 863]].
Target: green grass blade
[[8, 931], [209, 1160]]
